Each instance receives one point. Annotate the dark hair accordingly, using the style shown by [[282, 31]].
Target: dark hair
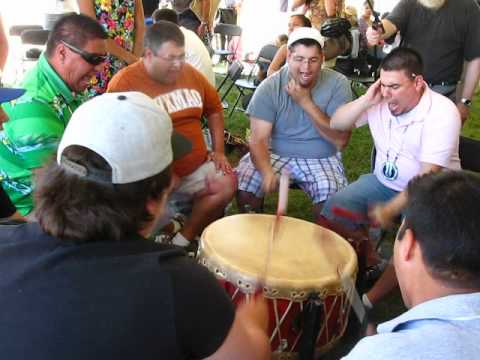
[[165, 14], [442, 212], [162, 32], [181, 4], [305, 42], [306, 21], [403, 58], [74, 29], [68, 206]]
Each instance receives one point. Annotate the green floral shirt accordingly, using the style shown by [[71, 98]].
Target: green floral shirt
[[31, 135]]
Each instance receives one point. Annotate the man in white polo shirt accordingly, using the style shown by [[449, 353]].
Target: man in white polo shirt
[[415, 131]]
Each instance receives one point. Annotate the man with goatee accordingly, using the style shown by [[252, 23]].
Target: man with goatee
[[446, 33]]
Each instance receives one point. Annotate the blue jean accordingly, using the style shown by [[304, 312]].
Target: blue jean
[[357, 197]]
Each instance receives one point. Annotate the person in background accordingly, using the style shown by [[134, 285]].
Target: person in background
[[319, 10], [364, 22], [196, 53], [295, 21], [206, 11], [3, 47], [74, 53], [149, 7], [124, 23], [435, 255]]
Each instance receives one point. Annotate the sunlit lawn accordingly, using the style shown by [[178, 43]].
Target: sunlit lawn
[[356, 159]]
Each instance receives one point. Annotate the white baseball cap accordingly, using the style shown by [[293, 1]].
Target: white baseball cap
[[305, 33], [129, 130]]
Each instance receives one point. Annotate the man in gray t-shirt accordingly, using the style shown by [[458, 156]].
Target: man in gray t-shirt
[[290, 123]]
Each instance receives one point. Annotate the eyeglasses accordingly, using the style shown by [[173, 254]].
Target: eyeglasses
[[173, 59], [309, 61], [92, 59]]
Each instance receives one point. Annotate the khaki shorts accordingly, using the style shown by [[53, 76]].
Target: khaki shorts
[[195, 182]]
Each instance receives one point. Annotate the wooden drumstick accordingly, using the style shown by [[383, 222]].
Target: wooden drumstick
[[281, 210], [354, 216], [353, 296]]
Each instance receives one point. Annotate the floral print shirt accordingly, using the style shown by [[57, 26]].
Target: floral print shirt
[[118, 19]]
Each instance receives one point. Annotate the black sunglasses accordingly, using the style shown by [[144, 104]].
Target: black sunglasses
[[92, 59]]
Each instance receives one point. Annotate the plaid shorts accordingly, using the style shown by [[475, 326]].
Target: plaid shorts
[[319, 178]]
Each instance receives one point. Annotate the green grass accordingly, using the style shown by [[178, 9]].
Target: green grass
[[356, 159]]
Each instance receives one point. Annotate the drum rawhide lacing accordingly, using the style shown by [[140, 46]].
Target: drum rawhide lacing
[[302, 278]]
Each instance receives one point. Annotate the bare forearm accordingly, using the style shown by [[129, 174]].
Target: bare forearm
[[330, 7], [3, 46], [346, 115], [217, 127], [3, 53], [322, 123], [118, 51], [139, 29], [395, 206], [389, 28], [375, 37], [472, 75], [260, 156], [205, 10], [260, 344]]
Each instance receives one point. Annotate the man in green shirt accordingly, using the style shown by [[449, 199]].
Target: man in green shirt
[[75, 51]]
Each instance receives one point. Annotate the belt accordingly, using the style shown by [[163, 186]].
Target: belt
[[443, 83]]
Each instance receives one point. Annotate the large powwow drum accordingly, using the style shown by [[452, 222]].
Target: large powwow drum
[[299, 272]]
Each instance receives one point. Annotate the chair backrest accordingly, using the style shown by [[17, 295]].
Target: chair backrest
[[235, 70], [267, 53], [469, 150], [34, 37], [228, 29]]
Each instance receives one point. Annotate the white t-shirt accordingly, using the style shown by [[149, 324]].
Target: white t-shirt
[[197, 55], [429, 133]]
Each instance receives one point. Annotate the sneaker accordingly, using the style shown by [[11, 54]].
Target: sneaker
[[192, 249], [373, 272], [171, 229]]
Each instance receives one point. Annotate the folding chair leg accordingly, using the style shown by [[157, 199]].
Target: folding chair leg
[[227, 91], [235, 105]]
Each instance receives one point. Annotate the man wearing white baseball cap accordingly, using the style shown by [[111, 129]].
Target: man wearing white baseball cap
[[290, 122], [84, 283]]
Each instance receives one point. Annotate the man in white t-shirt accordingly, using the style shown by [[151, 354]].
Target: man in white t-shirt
[[196, 53], [415, 131]]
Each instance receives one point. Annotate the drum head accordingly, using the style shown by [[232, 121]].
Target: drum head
[[304, 256]]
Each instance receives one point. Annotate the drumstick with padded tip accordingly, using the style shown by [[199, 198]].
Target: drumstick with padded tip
[[352, 215], [353, 296], [281, 210], [283, 193]]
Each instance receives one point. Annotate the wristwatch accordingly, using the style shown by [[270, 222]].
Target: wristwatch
[[466, 102]]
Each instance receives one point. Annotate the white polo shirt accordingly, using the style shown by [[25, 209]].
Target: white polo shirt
[[428, 133], [196, 54]]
